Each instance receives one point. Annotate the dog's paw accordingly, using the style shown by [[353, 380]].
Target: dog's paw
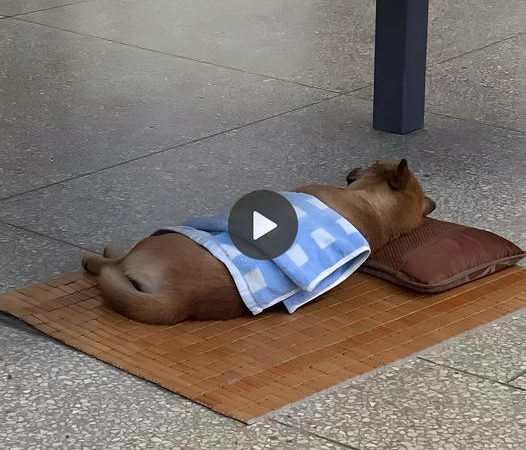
[[84, 263], [92, 263], [111, 252]]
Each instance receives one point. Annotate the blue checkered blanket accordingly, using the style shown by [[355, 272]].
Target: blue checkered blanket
[[326, 251]]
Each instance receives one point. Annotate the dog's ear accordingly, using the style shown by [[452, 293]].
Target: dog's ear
[[429, 205], [400, 177]]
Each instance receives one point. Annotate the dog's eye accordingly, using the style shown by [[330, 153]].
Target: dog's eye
[[353, 175]]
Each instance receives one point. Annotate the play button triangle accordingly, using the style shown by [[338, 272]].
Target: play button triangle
[[261, 225]]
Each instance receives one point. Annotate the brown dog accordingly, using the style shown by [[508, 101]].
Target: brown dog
[[169, 278]]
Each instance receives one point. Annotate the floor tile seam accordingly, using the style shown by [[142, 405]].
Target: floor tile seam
[[11, 16], [262, 439], [148, 436], [183, 57], [189, 143], [469, 373], [342, 385], [46, 236], [312, 433], [516, 376], [484, 47], [431, 64], [429, 110], [232, 129], [416, 356]]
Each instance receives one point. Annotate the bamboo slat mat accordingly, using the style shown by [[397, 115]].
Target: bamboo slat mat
[[249, 366]]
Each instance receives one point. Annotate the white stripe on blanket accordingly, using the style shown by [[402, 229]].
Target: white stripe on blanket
[[326, 251]]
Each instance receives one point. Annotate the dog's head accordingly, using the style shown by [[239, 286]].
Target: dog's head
[[392, 188]]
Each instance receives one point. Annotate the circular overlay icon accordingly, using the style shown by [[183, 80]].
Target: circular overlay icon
[[262, 224]]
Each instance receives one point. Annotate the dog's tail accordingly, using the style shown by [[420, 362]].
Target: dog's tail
[[123, 296]]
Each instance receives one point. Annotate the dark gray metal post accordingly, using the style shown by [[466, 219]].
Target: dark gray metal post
[[400, 65]]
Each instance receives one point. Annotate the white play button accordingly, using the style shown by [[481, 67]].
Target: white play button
[[261, 225]]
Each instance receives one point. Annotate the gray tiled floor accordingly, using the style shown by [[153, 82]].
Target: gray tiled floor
[[454, 87], [457, 28], [309, 41], [499, 353], [26, 257], [519, 382], [415, 405], [317, 144], [58, 398], [74, 98], [72, 106], [14, 7], [326, 44]]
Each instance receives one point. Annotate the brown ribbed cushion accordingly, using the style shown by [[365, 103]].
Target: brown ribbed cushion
[[441, 255]]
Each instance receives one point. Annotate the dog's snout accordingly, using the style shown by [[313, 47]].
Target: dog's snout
[[353, 175], [430, 205]]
